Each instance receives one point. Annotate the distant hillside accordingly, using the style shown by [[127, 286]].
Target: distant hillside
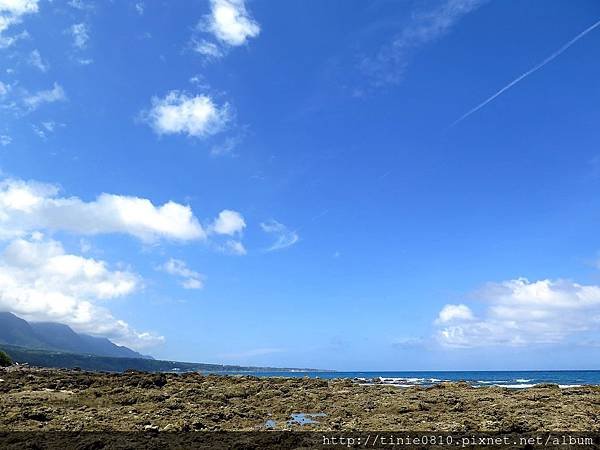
[[57, 337], [45, 358]]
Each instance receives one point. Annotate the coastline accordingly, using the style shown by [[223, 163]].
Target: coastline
[[35, 399]]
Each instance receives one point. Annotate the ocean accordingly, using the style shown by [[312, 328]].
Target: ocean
[[508, 379]]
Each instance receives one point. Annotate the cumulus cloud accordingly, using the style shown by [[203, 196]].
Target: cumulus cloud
[[56, 94], [451, 313], [230, 22], [27, 205], [179, 113], [521, 312], [284, 237], [228, 222], [41, 282], [388, 65], [5, 140], [14, 9], [189, 278], [11, 13]]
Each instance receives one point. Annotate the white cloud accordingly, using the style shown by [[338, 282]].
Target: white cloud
[[18, 8], [178, 113], [11, 13], [39, 131], [84, 245], [5, 140], [190, 278], [81, 35], [35, 59], [234, 248], [228, 222], [450, 313], [230, 22], [33, 206], [208, 49], [520, 312], [227, 146], [41, 282], [78, 4], [389, 64], [139, 7], [56, 94], [4, 88], [45, 128], [284, 237]]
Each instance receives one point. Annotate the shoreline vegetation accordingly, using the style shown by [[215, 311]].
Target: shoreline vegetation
[[36, 399]]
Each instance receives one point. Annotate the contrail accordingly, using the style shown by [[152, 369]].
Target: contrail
[[526, 74]]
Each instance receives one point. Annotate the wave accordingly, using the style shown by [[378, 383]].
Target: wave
[[517, 386]]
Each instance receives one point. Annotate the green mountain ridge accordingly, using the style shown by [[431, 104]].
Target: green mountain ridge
[[57, 337]]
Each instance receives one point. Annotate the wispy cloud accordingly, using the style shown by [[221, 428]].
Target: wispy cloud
[[284, 237], [44, 129], [207, 48], [35, 59], [4, 89], [56, 94], [190, 279], [526, 74], [5, 140], [233, 247], [81, 35], [81, 5], [389, 64]]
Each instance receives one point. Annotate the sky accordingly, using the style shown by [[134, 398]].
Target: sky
[[340, 184]]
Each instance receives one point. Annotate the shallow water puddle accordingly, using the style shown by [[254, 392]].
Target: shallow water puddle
[[304, 418]]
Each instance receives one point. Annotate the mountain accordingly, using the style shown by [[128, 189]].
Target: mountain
[[57, 337], [14, 330], [48, 358]]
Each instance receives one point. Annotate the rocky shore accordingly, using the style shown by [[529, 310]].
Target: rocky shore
[[69, 400]]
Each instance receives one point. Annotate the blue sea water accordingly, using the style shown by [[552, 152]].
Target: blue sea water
[[509, 379]]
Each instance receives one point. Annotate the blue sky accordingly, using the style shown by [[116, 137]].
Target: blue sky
[[284, 183]]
